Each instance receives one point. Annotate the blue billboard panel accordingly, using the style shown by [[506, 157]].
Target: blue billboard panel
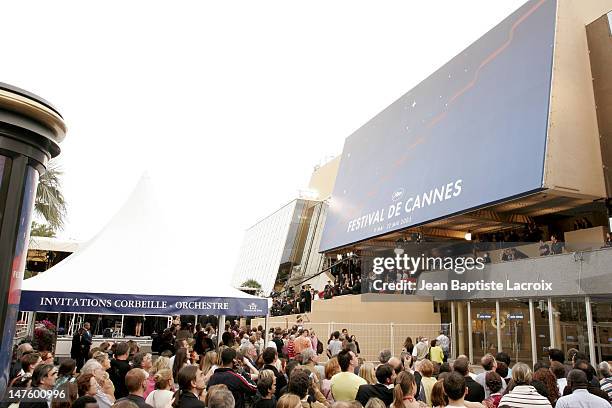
[[471, 134]]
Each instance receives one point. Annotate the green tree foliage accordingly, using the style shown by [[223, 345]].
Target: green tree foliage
[[49, 203], [251, 283], [42, 230]]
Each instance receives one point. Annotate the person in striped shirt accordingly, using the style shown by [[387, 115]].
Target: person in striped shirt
[[523, 394], [606, 378]]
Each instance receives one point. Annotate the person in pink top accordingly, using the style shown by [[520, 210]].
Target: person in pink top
[[303, 342], [314, 340]]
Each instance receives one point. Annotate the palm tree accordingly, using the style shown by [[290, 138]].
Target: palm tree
[[49, 203], [251, 283]]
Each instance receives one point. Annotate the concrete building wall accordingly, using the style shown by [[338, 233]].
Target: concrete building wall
[[324, 178], [573, 164], [379, 323]]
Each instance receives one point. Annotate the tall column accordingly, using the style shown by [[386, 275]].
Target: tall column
[[459, 331], [532, 329], [30, 132], [470, 331], [498, 324], [453, 331], [220, 329], [551, 324], [589, 316]]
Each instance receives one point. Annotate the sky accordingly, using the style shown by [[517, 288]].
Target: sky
[[228, 106]]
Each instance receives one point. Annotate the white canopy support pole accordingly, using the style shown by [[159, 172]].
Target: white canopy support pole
[[59, 316], [71, 326], [122, 318], [220, 329], [31, 324]]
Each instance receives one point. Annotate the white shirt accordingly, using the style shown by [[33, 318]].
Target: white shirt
[[481, 379], [160, 399], [443, 342], [561, 383], [334, 347], [581, 398]]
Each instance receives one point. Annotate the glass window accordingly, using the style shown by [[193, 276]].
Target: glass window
[[542, 328], [484, 330], [570, 326], [516, 330], [602, 322]]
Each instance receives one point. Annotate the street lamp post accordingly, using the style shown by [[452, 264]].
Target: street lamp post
[[30, 132]]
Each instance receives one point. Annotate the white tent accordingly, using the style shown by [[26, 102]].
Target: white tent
[[136, 265]]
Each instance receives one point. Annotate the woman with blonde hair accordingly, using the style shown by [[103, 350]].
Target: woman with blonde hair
[[375, 403], [426, 369], [162, 396], [404, 392], [160, 364], [521, 392], [208, 364], [331, 368], [366, 371], [289, 401]]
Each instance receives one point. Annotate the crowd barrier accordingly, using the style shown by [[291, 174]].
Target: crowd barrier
[[374, 337]]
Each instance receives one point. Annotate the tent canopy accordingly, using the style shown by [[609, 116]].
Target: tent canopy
[[137, 265]]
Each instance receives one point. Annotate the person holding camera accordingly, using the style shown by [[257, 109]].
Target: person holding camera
[[227, 374]]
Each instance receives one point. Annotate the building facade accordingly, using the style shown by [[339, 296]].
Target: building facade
[[506, 148]]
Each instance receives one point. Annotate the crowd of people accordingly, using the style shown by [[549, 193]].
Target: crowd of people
[[287, 371], [347, 281]]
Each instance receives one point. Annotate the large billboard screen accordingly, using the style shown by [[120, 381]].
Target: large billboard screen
[[471, 134]]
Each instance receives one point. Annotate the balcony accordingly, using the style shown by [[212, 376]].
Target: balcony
[[569, 274]]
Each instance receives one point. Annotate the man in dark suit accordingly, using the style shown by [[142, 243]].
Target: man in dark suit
[[385, 375], [307, 299], [76, 350], [269, 356], [119, 368], [86, 341], [475, 392]]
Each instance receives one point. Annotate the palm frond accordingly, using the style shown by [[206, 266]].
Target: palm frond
[[50, 203]]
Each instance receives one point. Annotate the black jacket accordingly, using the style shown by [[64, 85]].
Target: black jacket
[[236, 383], [189, 400], [136, 399], [475, 391], [75, 349], [281, 381], [117, 372], [367, 391]]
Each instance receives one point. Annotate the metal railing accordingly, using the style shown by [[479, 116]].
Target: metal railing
[[374, 337]]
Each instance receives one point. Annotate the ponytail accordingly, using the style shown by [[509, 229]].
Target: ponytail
[[404, 386]]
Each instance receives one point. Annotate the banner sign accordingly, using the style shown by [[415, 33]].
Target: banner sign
[[473, 133], [483, 316], [105, 303]]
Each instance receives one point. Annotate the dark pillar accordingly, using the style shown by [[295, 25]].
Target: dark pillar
[[30, 131]]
